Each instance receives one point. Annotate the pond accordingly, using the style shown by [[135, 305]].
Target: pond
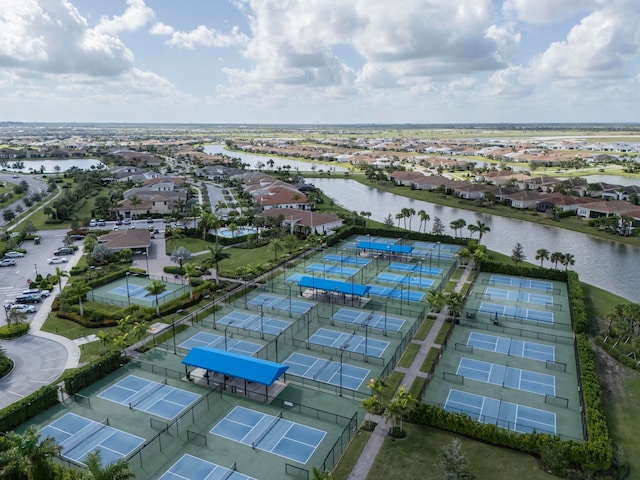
[[49, 166]]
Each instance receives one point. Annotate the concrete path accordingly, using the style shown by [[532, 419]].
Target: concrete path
[[370, 452]]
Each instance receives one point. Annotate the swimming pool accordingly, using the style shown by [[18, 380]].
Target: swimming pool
[[241, 231]]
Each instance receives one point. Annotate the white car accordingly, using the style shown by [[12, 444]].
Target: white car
[[54, 260], [14, 255], [24, 308]]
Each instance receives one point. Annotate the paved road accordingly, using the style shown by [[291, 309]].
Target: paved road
[[36, 185]]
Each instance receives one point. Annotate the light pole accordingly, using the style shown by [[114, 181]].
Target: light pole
[[261, 322], [225, 333], [35, 265], [384, 331], [290, 301], [173, 329], [420, 273], [342, 349], [146, 257], [126, 277], [438, 253], [366, 336]]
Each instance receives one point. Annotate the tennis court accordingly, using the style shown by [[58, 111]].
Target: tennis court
[[512, 416], [522, 282], [132, 290], [331, 269], [354, 343], [148, 396], [447, 247], [510, 377], [412, 267], [398, 294], [417, 282], [256, 323], [204, 339], [79, 436], [517, 296], [326, 370], [272, 434], [345, 259], [284, 304], [136, 291], [372, 320], [512, 346], [194, 468], [516, 312]]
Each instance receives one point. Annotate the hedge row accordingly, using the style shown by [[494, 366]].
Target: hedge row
[[89, 374], [28, 407], [617, 354], [576, 300]]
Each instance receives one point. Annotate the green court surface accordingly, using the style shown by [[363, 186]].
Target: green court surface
[[131, 291], [517, 373]]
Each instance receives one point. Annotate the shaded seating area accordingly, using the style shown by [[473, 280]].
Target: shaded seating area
[[235, 373], [384, 250], [333, 291]]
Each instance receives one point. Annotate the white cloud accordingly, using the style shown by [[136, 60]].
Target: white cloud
[[206, 37], [547, 11], [161, 29], [136, 16]]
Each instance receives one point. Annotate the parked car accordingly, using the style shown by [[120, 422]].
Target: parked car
[[23, 299], [150, 220], [118, 221], [37, 291], [7, 262], [13, 255], [127, 221], [64, 251], [24, 308], [93, 223], [76, 237], [56, 260], [101, 222]]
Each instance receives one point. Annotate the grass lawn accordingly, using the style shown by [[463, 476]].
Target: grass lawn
[[409, 354], [424, 329], [240, 257], [400, 459], [194, 245], [350, 456]]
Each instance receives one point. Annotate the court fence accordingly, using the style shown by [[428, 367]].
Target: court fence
[[126, 301], [568, 338]]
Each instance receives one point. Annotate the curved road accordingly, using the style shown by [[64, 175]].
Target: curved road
[[36, 185]]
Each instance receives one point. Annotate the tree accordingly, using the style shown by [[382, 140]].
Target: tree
[[438, 226], [173, 236], [388, 221], [399, 406], [118, 470], [453, 463], [89, 243], [125, 255], [8, 215], [555, 258], [190, 271], [517, 254], [424, 218], [318, 474], [134, 201], [60, 273], [27, 456], [542, 254], [436, 299], [156, 287], [458, 224], [275, 246], [568, 259], [217, 254], [79, 289], [180, 256], [479, 228], [454, 302], [290, 242], [101, 253]]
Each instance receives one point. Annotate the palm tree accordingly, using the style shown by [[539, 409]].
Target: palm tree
[[156, 287], [479, 228], [58, 276], [318, 474], [410, 213], [555, 257], [276, 246], [217, 254], [26, 456], [173, 236], [207, 221], [80, 289], [190, 271], [114, 471], [436, 299], [454, 302], [424, 218], [542, 254], [458, 224], [290, 242], [134, 201], [568, 259]]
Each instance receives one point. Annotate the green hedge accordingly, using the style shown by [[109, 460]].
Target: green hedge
[[28, 407], [576, 301], [87, 375], [15, 330]]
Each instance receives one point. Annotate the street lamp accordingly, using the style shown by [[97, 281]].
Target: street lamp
[[290, 300], [225, 333], [126, 278], [438, 253], [261, 322], [342, 349], [366, 336], [420, 273], [384, 331]]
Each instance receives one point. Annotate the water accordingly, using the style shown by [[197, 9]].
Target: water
[[225, 232], [50, 165], [606, 264], [253, 160]]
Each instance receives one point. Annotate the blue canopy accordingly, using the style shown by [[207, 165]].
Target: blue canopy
[[331, 285], [232, 364], [385, 247]]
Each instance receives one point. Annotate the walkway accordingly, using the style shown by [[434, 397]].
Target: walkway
[[370, 452]]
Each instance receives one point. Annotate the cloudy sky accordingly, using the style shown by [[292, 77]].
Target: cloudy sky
[[320, 61]]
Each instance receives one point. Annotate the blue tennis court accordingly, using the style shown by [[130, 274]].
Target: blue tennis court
[[272, 434], [204, 339], [521, 282], [137, 291], [148, 396], [447, 247], [511, 346], [395, 293], [295, 278], [516, 312], [331, 269], [256, 323], [417, 282], [517, 296], [326, 370], [345, 259], [79, 436], [350, 341], [372, 320], [511, 416], [412, 267], [283, 304], [194, 468], [510, 377]]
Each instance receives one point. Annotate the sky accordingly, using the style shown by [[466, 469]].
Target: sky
[[320, 61]]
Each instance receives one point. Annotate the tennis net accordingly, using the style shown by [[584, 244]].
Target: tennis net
[[266, 431], [81, 436], [325, 365], [142, 395]]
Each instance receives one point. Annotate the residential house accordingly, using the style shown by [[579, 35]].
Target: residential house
[[132, 238], [609, 208], [524, 199], [305, 220]]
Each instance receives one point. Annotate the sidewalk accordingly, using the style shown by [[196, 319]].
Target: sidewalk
[[370, 452]]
